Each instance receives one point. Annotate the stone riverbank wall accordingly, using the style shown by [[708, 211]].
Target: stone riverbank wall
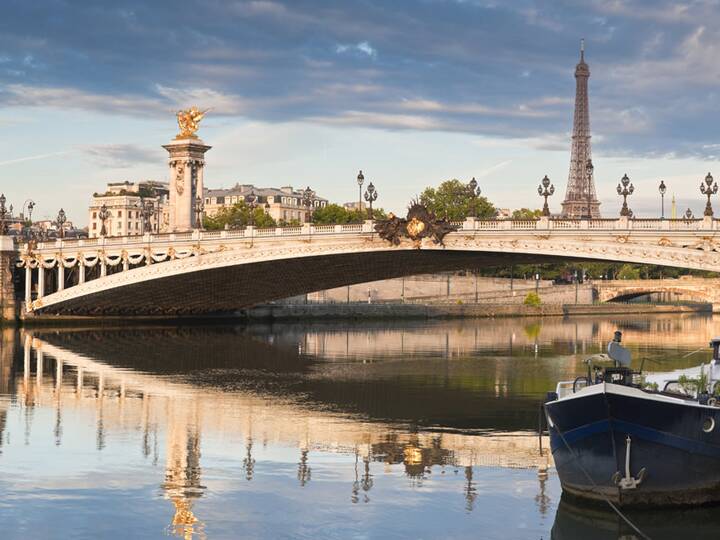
[[8, 303]]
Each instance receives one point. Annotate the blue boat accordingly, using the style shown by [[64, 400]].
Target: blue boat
[[638, 440]]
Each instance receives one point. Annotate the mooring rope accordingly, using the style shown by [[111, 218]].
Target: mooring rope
[[587, 475]]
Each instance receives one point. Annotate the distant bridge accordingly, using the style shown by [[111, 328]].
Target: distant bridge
[[216, 271], [696, 289]]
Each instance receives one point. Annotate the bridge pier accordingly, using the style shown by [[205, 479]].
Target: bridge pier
[[8, 303]]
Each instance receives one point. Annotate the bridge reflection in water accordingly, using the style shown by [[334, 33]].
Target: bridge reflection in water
[[430, 398]]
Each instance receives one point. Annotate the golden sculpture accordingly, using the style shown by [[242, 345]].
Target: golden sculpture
[[189, 121]]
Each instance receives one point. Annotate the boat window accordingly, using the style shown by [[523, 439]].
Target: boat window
[[708, 425]]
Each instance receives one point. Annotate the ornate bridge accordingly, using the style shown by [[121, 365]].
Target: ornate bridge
[[216, 271], [700, 290]]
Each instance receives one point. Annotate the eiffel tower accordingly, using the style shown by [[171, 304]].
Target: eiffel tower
[[580, 198]]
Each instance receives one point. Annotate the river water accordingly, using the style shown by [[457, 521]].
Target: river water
[[348, 430]]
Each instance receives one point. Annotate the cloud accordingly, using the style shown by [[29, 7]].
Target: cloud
[[121, 156], [32, 158], [363, 47]]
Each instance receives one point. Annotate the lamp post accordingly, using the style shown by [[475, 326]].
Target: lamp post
[[360, 180], [709, 188], [689, 214], [147, 209], [662, 189], [625, 188], [474, 192], [199, 209], [3, 215], [251, 201], [309, 195], [589, 169], [103, 214], [60, 220], [30, 204], [371, 196], [546, 189]]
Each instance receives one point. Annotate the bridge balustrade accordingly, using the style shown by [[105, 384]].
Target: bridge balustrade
[[70, 262]]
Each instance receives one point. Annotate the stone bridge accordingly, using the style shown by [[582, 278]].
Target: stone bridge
[[220, 271], [697, 289]]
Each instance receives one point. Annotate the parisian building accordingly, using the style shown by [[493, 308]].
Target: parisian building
[[124, 202], [283, 204]]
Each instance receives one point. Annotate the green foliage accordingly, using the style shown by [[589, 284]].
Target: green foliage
[[289, 223], [334, 214], [453, 201], [237, 217], [628, 271], [532, 299], [694, 385], [526, 213]]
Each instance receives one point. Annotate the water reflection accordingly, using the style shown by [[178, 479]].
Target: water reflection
[[298, 424], [592, 522]]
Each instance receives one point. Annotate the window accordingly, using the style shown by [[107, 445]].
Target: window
[[94, 226], [94, 215], [119, 213], [221, 200]]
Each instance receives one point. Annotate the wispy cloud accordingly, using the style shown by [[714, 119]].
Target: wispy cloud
[[362, 47], [121, 156], [33, 158]]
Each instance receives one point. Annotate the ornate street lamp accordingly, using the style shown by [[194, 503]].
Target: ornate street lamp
[[199, 208], [371, 196], [589, 169], [689, 214], [309, 195], [474, 192], [662, 189], [709, 188], [60, 220], [4, 213], [546, 189], [103, 214], [30, 204], [624, 189], [360, 180], [251, 202], [147, 209]]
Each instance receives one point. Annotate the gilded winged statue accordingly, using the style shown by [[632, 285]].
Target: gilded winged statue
[[189, 121]]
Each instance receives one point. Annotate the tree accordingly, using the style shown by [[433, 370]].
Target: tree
[[334, 214], [237, 217], [453, 200], [629, 271], [526, 213]]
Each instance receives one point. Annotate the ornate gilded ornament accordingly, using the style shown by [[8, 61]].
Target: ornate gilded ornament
[[420, 223], [189, 121], [665, 242], [415, 228]]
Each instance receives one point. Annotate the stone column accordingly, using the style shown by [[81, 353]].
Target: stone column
[[28, 286], [81, 272], [187, 162], [8, 255], [61, 274], [41, 280]]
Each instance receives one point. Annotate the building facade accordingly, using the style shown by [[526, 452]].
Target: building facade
[[132, 208], [284, 204]]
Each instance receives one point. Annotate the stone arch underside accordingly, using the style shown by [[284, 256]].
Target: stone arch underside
[[625, 295], [229, 288]]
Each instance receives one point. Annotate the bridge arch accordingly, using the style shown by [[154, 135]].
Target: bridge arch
[[225, 271]]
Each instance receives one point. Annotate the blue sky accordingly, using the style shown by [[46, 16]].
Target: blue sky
[[306, 92]]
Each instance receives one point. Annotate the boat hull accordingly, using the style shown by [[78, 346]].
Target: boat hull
[[589, 434]]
